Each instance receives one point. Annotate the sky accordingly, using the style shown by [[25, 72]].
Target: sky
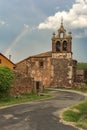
[[26, 26]]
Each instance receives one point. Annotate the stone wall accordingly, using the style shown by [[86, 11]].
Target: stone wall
[[81, 75], [31, 68], [62, 73], [24, 85], [36, 68], [74, 63], [40, 70], [21, 67], [48, 71]]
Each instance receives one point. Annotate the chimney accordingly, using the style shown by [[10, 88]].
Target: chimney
[[9, 57]]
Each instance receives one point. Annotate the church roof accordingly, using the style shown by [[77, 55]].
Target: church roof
[[46, 54], [41, 55]]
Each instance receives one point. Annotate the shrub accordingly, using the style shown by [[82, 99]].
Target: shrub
[[6, 80]]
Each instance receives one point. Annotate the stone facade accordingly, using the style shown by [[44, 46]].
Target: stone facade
[[64, 67], [24, 84], [62, 73], [40, 69], [37, 67], [81, 76], [55, 68]]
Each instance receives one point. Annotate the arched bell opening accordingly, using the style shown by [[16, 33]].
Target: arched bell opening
[[57, 46], [64, 45]]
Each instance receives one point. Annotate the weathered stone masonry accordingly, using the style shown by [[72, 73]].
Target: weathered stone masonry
[[37, 67], [61, 76], [64, 67], [55, 68]]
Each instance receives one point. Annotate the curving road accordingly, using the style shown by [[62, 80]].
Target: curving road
[[39, 115]]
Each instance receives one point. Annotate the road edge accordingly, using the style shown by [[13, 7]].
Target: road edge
[[63, 110]]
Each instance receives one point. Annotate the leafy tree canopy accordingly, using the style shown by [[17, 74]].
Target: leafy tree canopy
[[6, 79]]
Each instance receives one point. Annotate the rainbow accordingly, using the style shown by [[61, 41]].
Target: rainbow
[[7, 51]]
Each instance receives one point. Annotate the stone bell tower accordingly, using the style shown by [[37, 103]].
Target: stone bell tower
[[62, 44], [62, 63]]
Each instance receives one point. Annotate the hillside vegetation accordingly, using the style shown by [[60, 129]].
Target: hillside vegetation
[[82, 66]]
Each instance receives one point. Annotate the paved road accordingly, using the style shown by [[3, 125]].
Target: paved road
[[40, 115]]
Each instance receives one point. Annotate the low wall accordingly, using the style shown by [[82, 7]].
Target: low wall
[[24, 84]]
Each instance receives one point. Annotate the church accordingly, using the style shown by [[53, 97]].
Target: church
[[54, 68]]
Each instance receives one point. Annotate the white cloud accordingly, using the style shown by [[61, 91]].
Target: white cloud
[[30, 29], [81, 1], [2, 22], [76, 17], [26, 26]]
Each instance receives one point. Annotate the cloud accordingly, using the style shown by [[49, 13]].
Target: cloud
[[2, 22], [26, 26], [76, 17], [81, 1]]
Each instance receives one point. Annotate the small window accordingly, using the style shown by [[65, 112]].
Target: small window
[[0, 61], [41, 64]]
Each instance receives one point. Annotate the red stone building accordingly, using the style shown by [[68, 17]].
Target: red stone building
[[55, 68]]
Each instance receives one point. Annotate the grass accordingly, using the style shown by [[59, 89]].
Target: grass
[[77, 114], [84, 89], [10, 100], [80, 88], [82, 66]]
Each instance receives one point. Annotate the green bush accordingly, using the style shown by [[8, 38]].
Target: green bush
[[6, 80]]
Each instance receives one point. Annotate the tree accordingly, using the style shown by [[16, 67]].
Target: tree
[[6, 80]]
